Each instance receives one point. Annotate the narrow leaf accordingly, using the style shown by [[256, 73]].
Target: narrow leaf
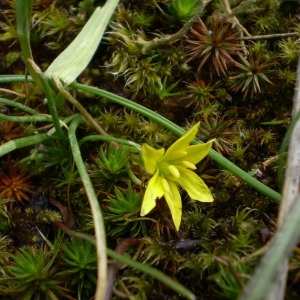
[[74, 59]]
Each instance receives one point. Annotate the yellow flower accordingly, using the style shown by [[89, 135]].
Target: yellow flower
[[173, 168]]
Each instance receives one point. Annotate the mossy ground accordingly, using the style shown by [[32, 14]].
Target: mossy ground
[[241, 90]]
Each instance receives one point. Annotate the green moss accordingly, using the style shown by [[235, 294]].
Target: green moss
[[240, 90]]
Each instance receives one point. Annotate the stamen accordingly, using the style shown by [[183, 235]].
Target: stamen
[[174, 171], [188, 165]]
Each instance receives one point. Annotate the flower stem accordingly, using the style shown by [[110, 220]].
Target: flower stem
[[18, 105]]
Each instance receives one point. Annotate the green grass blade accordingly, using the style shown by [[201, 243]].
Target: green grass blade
[[23, 20], [227, 164]]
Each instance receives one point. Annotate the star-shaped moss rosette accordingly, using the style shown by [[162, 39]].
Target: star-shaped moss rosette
[[172, 169]]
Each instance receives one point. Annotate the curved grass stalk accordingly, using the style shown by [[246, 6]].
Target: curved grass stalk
[[96, 211], [160, 276], [23, 119], [22, 142], [31, 140], [167, 124], [179, 131], [109, 138], [19, 106], [15, 78]]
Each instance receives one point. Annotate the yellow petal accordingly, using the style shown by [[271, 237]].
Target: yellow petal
[[165, 185], [174, 202], [182, 143], [151, 157], [154, 190], [195, 153], [194, 185], [178, 154]]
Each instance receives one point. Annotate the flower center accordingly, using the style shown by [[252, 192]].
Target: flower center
[[168, 170]]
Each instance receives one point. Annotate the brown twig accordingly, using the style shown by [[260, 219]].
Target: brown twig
[[172, 38], [240, 6], [81, 109], [269, 36], [114, 265], [234, 19]]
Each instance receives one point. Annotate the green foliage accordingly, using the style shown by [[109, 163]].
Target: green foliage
[[253, 72], [53, 22], [132, 122], [57, 25], [3, 208], [138, 287], [67, 177], [155, 134], [218, 129], [123, 213], [139, 71], [195, 223], [200, 265], [230, 281], [112, 166], [144, 19], [142, 75], [87, 6], [33, 276], [287, 77], [79, 261], [4, 252], [187, 76], [110, 119], [289, 50], [124, 38], [165, 89], [200, 91], [57, 151], [157, 252], [265, 24], [10, 59], [180, 11], [8, 29], [54, 152]]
